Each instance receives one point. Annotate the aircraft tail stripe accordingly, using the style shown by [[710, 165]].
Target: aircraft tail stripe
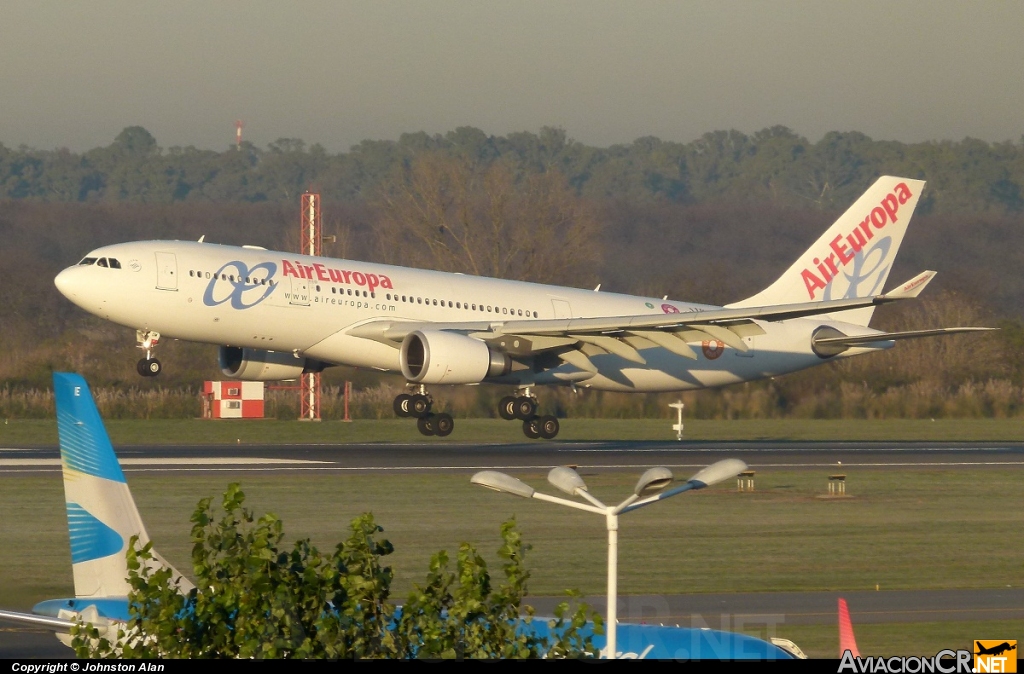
[[84, 443], [90, 538]]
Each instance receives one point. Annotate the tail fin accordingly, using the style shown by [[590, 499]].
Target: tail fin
[[853, 258], [846, 640], [102, 516]]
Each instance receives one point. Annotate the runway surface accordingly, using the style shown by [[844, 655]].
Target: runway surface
[[466, 457], [720, 611]]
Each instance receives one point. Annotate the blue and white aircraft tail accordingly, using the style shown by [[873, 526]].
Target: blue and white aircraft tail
[[102, 517]]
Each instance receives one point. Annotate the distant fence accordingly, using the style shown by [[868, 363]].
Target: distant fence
[[993, 398]]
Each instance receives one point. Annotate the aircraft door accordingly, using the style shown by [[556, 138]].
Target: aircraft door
[[562, 309], [300, 292], [166, 271]]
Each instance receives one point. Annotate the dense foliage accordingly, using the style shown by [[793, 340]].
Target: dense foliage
[[256, 599]]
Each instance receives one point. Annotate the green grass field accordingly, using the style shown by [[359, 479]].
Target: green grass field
[[900, 529], [38, 432]]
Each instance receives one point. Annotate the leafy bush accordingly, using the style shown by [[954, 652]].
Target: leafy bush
[[255, 599]]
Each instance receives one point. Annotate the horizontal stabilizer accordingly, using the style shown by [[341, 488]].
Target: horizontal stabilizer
[[889, 336], [56, 624]]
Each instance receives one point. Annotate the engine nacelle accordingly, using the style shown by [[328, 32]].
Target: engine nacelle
[[259, 365], [438, 357]]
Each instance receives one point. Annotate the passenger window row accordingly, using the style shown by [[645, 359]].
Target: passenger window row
[[251, 280], [488, 308], [107, 262], [463, 305], [341, 291]]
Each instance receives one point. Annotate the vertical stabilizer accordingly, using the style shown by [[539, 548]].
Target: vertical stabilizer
[[102, 517], [853, 258]]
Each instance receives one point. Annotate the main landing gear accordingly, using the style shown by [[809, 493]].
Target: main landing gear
[[417, 405], [524, 407], [147, 341]]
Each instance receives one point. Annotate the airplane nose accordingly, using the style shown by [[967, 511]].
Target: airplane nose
[[65, 283]]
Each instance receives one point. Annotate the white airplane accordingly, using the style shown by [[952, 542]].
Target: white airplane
[[277, 315]]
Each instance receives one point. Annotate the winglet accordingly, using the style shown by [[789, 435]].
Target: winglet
[[846, 640], [911, 288]]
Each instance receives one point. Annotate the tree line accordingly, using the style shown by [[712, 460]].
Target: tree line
[[775, 165]]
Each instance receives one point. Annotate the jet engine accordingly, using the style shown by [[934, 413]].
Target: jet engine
[[259, 365], [438, 357]]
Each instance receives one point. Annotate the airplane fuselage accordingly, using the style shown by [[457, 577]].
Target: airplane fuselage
[[310, 306]]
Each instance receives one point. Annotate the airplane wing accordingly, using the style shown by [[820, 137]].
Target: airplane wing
[[573, 339]]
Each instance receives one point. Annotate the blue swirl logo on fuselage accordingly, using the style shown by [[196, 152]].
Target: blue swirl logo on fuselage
[[244, 290]]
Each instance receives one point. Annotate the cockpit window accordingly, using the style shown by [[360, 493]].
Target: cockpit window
[[87, 261], [114, 264], [102, 262]]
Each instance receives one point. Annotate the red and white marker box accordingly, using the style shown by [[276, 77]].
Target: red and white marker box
[[233, 399]]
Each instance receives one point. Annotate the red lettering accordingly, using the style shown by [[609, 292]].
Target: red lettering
[[287, 268], [347, 275], [321, 272], [336, 275], [831, 264], [866, 228], [822, 270], [891, 206], [878, 217], [903, 192], [840, 249], [359, 279], [372, 281], [811, 282], [309, 272], [856, 240], [385, 282]]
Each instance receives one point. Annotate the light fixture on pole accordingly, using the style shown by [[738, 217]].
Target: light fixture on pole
[[651, 487]]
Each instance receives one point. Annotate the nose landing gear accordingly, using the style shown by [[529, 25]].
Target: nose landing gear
[[147, 341]]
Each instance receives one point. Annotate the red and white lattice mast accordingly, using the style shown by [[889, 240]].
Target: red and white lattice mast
[[311, 244], [238, 133]]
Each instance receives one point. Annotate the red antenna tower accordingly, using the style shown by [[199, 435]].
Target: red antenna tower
[[310, 230], [238, 133]]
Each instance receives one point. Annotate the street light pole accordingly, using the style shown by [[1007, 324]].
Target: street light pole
[[649, 489], [612, 522]]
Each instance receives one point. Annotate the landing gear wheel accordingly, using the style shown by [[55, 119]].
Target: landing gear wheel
[[401, 405], [548, 427], [525, 408], [427, 425], [443, 424], [149, 368], [419, 406], [507, 408], [531, 428]]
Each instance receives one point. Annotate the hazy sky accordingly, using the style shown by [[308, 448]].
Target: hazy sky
[[73, 74]]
